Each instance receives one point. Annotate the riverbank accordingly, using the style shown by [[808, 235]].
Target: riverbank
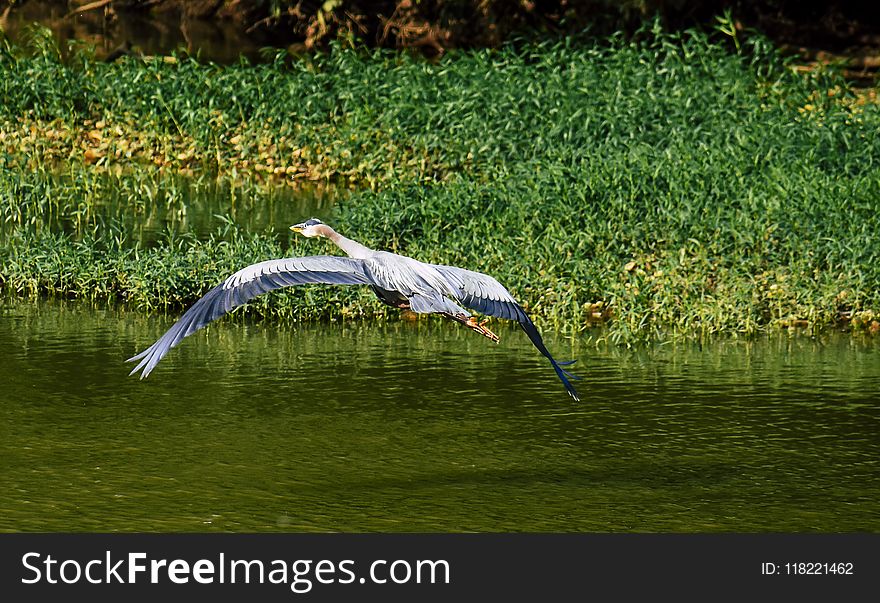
[[668, 186]]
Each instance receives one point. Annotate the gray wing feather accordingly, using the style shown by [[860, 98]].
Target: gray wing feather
[[486, 295], [482, 293], [430, 304], [245, 285]]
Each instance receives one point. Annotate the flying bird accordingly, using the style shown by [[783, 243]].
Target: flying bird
[[397, 280]]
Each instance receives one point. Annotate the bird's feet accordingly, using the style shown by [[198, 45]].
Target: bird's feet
[[480, 327]]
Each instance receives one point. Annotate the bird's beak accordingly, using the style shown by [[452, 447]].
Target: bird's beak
[[297, 227]]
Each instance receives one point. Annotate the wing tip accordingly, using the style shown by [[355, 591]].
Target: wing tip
[[570, 389], [564, 376], [144, 365], [136, 370], [137, 356]]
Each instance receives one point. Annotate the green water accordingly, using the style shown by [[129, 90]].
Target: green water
[[148, 32], [421, 426], [144, 209]]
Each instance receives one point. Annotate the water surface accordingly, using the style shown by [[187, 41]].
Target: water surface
[[139, 31], [144, 209], [419, 426]]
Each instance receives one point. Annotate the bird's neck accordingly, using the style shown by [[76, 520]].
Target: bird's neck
[[352, 248]]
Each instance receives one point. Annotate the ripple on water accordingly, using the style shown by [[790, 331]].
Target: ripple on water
[[421, 426]]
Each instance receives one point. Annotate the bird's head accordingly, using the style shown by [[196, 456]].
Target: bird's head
[[309, 228]]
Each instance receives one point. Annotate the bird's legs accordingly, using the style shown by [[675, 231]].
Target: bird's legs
[[471, 323]]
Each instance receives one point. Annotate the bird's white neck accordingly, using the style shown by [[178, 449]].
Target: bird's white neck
[[352, 248]]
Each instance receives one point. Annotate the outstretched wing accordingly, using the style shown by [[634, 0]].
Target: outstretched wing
[[486, 295], [245, 285]]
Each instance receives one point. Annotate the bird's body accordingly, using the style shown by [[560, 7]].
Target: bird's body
[[397, 280]]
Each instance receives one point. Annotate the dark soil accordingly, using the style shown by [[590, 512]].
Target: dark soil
[[833, 30]]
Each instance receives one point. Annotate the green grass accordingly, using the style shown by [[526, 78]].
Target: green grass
[[685, 187]]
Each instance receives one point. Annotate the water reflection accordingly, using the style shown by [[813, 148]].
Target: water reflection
[[421, 426], [141, 32], [144, 208]]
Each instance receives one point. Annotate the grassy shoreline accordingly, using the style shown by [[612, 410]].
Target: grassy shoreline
[[668, 186]]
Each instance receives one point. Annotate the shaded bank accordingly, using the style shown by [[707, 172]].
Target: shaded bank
[[433, 26]]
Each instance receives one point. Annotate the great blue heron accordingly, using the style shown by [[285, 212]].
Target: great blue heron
[[397, 280]]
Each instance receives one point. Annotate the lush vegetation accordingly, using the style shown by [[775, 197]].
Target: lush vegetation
[[670, 184]]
